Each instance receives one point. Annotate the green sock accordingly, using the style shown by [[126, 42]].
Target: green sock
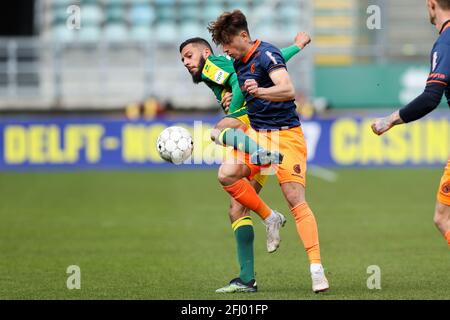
[[243, 231], [239, 140]]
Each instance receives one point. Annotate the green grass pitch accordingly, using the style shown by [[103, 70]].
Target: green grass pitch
[[166, 235]]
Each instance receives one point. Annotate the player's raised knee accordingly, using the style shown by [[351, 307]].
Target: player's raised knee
[[230, 173]]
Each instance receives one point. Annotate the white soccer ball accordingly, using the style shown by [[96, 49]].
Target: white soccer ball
[[175, 144]]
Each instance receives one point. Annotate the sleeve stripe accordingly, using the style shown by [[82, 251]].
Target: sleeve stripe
[[437, 81], [276, 66]]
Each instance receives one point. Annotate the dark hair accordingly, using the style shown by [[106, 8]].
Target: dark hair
[[196, 40], [229, 24], [444, 4]]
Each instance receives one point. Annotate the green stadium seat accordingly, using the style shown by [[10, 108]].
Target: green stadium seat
[[141, 15], [165, 13], [289, 12], [115, 32], [166, 32], [115, 13], [91, 15], [165, 2], [189, 12], [63, 3], [141, 33], [212, 11], [190, 30], [60, 33], [89, 34]]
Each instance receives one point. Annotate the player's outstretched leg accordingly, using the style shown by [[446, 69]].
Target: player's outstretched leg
[[307, 230], [230, 132], [231, 176]]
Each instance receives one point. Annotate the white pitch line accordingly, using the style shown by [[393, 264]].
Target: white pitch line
[[322, 173]]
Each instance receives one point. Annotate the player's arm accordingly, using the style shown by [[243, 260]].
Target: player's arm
[[415, 110], [283, 89], [302, 39], [237, 98], [427, 101]]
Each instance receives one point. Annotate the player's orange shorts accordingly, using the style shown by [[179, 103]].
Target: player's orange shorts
[[444, 188], [291, 143]]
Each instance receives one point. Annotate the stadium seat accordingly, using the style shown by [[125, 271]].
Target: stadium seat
[[165, 13], [289, 12], [165, 2], [141, 15], [91, 15], [189, 12], [62, 3], [166, 32], [115, 13], [212, 11], [115, 32], [62, 34], [89, 34], [141, 33], [191, 29]]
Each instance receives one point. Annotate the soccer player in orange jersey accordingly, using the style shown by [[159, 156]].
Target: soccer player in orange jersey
[[270, 95], [438, 83]]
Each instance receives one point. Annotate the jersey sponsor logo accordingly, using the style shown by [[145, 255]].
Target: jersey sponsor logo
[[435, 57], [219, 77], [269, 54]]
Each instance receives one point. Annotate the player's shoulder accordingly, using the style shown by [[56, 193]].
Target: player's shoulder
[[443, 42], [218, 68], [222, 61], [268, 46]]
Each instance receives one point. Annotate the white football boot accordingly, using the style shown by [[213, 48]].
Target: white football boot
[[319, 281], [273, 226]]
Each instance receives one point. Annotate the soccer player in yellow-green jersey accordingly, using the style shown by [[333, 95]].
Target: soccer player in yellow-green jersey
[[218, 73]]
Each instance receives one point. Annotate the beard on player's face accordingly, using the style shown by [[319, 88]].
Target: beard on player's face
[[197, 76]]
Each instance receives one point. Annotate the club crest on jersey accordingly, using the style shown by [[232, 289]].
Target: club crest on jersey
[[435, 57], [252, 68], [446, 188]]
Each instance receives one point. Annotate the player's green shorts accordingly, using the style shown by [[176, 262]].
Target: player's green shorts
[[241, 115]]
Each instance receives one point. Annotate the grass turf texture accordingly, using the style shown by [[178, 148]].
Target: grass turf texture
[[166, 235]]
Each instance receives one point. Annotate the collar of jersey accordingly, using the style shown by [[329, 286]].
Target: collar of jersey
[[251, 51], [445, 26]]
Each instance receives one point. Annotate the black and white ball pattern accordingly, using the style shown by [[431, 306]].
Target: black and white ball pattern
[[175, 144]]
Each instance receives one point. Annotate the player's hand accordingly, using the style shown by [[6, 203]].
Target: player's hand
[[251, 86], [226, 101], [381, 125], [302, 39]]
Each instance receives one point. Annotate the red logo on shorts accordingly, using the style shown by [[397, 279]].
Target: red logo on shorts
[[297, 169], [446, 188]]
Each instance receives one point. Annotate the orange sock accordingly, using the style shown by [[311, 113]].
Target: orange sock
[[447, 237], [243, 192], [307, 230]]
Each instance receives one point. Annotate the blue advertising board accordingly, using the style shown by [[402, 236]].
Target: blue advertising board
[[99, 143]]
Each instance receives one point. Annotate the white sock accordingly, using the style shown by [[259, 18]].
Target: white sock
[[316, 267], [271, 218]]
